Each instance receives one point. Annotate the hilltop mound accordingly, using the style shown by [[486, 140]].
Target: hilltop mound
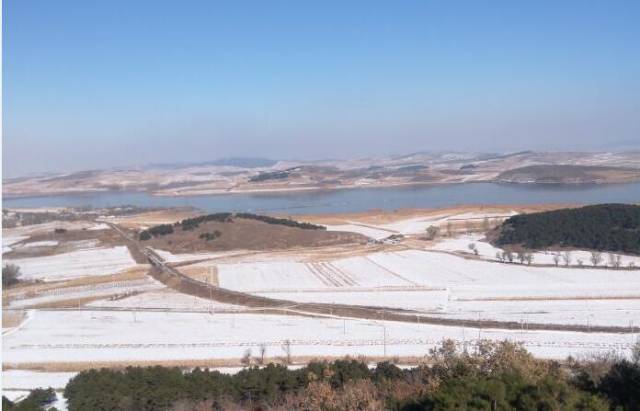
[[243, 231], [568, 174], [606, 227]]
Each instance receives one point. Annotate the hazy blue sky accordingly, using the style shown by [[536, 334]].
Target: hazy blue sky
[[92, 84]]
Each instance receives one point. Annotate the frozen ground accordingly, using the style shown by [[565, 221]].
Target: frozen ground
[[415, 225], [179, 258], [81, 336], [465, 278], [163, 299], [85, 291], [460, 244], [27, 380], [292, 275], [416, 300], [80, 263], [431, 281], [616, 312], [9, 240]]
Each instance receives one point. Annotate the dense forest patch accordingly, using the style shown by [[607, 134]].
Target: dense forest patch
[[281, 221], [605, 227]]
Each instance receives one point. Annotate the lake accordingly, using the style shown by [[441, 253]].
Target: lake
[[356, 199]]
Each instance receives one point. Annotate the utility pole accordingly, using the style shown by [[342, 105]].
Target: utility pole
[[384, 340]]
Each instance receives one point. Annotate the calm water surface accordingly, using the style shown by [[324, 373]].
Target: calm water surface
[[357, 199]]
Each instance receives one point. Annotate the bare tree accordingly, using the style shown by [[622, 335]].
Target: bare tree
[[473, 248], [246, 358], [499, 256], [449, 229], [508, 255], [596, 258], [432, 232], [286, 347], [528, 258], [615, 260], [522, 256], [580, 262], [485, 224], [631, 265], [566, 258], [263, 351], [556, 259]]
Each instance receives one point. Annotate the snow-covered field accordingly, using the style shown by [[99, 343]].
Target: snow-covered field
[[9, 240], [465, 278], [41, 244], [26, 380], [81, 336], [460, 244], [292, 275], [448, 285], [163, 299], [84, 291], [415, 225], [416, 300], [80, 263], [615, 312], [179, 258]]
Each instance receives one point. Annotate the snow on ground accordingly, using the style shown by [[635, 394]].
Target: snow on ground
[[28, 230], [164, 299], [85, 291], [179, 258], [9, 240], [468, 278], [268, 275], [82, 336], [80, 263], [369, 231], [617, 312], [460, 244], [417, 300], [17, 384], [414, 225], [429, 281], [98, 227], [51, 243], [14, 395], [465, 278], [28, 380], [287, 275]]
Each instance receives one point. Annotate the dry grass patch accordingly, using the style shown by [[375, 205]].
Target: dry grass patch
[[12, 318]]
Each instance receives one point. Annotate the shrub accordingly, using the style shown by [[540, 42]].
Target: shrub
[[10, 274]]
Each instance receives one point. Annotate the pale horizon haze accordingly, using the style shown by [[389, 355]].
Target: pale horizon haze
[[90, 85]]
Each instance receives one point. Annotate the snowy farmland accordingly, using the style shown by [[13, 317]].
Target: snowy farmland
[[83, 292], [433, 282], [80, 263], [86, 336], [460, 245], [163, 299], [465, 278], [415, 225]]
